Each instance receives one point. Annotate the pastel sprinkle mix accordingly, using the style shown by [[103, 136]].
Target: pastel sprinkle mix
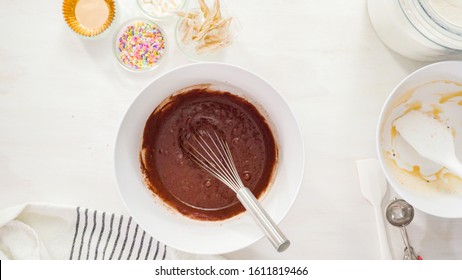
[[141, 45]]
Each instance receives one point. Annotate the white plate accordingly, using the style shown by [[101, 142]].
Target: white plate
[[446, 203], [167, 225]]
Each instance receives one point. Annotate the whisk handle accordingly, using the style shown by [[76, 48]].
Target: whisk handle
[[272, 231]]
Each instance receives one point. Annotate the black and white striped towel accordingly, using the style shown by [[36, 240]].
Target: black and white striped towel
[[38, 231]]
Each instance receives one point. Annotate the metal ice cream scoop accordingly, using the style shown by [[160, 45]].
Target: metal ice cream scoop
[[400, 214]]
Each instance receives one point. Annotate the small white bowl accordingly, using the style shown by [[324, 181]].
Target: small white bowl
[[169, 226], [123, 31], [189, 50], [152, 11], [443, 200]]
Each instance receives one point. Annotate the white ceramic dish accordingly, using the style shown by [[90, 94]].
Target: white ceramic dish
[[155, 13], [167, 225], [122, 31], [426, 85]]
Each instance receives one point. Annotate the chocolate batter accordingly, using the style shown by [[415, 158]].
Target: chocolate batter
[[177, 180]]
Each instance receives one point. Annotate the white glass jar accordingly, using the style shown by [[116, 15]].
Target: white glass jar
[[425, 30]]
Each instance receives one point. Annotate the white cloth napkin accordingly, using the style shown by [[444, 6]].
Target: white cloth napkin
[[41, 231]]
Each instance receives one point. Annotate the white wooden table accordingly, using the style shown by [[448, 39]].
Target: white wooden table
[[62, 99]]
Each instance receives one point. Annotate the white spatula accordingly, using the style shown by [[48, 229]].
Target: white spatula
[[373, 187], [431, 138]]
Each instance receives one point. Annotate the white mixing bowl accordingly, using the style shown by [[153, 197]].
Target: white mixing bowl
[[169, 226], [443, 199]]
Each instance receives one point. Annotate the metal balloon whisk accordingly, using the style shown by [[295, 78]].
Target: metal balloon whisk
[[209, 150]]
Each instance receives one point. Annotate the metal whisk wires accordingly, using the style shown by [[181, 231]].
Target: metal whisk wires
[[211, 152]]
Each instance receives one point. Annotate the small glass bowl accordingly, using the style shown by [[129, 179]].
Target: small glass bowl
[[68, 10], [137, 51], [153, 11], [189, 49]]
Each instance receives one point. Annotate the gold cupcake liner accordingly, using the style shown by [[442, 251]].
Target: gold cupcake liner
[[77, 27]]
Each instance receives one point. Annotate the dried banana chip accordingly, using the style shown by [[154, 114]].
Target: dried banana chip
[[208, 30], [204, 8], [213, 47]]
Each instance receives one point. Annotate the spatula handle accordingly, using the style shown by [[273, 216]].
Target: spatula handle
[[385, 253], [455, 166]]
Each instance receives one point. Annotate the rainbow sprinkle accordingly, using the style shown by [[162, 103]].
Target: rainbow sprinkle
[[140, 45]]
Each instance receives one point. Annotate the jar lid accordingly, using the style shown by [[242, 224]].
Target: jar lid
[[439, 21], [447, 13]]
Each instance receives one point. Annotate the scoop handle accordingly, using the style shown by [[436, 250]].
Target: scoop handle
[[269, 227]]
